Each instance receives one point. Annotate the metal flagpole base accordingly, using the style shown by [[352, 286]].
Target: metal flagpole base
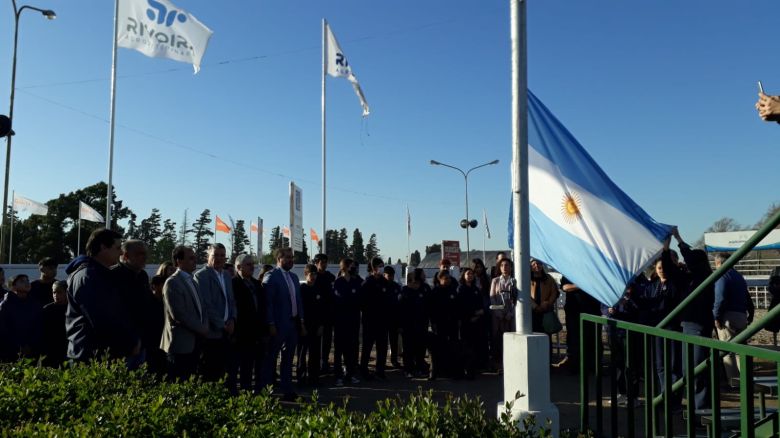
[[527, 370]]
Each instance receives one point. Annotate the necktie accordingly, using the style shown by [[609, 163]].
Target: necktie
[[291, 289]]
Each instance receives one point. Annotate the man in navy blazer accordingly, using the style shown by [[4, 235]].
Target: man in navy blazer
[[215, 287], [285, 320]]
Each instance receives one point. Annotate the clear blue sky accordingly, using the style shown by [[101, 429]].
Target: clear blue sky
[[660, 93]]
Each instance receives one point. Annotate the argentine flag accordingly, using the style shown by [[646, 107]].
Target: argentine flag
[[581, 223]]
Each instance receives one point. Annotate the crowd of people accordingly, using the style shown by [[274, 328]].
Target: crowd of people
[[221, 322]]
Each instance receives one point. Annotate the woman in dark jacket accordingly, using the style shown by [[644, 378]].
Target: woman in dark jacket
[[470, 311]]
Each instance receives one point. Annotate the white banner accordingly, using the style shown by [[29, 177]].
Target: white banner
[[732, 240], [23, 204], [338, 67], [296, 218], [159, 29], [88, 213]]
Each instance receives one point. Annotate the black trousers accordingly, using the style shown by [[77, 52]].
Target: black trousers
[[215, 358], [347, 345], [182, 365], [374, 334], [250, 363], [414, 340], [392, 334], [309, 356], [327, 341]]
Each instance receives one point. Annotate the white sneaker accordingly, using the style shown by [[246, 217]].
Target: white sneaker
[[339, 382], [354, 380]]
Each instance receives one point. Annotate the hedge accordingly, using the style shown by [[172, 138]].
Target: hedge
[[105, 399]]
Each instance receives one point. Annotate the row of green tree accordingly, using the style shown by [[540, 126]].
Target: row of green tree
[[57, 233]]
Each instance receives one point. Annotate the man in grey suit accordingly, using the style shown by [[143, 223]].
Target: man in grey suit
[[215, 287], [285, 320], [185, 322]]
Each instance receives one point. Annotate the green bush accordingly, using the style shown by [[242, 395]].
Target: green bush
[[104, 399]]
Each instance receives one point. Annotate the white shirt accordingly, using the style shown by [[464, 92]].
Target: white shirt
[[291, 290]]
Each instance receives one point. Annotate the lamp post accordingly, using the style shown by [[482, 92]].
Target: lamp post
[[49, 14], [466, 223]]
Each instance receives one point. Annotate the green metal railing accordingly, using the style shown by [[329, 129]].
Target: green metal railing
[[591, 326], [717, 350]]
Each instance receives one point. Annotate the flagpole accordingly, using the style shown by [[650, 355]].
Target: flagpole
[[324, 67], [526, 354], [259, 239], [484, 235], [78, 241], [112, 117], [11, 234], [408, 236]]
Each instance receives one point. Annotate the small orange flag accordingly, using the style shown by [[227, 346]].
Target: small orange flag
[[286, 232], [314, 235], [254, 228], [222, 226]]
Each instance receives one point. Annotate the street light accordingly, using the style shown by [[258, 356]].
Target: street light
[[465, 223], [49, 14]]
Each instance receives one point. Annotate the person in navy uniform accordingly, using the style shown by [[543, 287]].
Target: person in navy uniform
[[376, 299], [309, 347], [346, 315], [324, 285], [470, 314], [394, 324], [444, 322], [414, 323]]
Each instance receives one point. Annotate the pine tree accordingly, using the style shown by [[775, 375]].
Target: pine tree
[[132, 227], [149, 231], [184, 231], [415, 259], [240, 239], [332, 244], [275, 241], [357, 251], [164, 247], [371, 249], [202, 231], [342, 245]]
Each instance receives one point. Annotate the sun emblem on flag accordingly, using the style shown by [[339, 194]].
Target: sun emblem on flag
[[571, 207]]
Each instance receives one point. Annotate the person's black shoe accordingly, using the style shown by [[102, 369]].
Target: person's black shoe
[[396, 364], [432, 377], [289, 397], [381, 376]]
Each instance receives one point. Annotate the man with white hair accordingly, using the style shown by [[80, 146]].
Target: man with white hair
[[215, 287], [251, 327]]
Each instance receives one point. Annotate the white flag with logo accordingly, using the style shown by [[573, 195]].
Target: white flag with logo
[[159, 29], [88, 213], [34, 207], [338, 67]]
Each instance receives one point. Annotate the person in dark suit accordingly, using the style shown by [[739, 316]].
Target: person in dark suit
[[251, 328], [136, 294], [21, 322], [376, 298], [185, 320], [215, 287], [40, 289], [55, 343], [285, 320], [95, 321], [324, 285], [309, 346]]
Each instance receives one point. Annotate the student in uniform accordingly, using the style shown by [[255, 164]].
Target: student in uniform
[[375, 297], [414, 323], [346, 317], [395, 317], [470, 313], [309, 348], [444, 321]]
